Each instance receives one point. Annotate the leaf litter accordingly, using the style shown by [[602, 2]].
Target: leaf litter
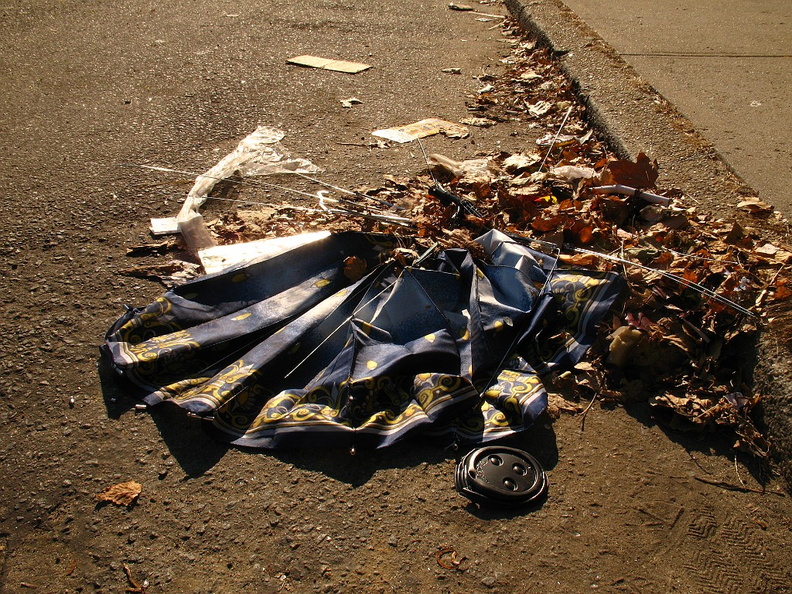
[[700, 286], [123, 494]]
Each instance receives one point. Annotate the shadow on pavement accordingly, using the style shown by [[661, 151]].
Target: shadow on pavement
[[194, 450]]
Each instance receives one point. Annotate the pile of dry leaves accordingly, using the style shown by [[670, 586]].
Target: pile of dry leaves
[[699, 286], [684, 336]]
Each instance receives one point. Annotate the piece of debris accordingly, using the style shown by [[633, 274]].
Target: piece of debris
[[350, 102], [460, 7], [151, 249], [519, 162], [452, 70], [448, 558], [478, 122], [311, 315], [474, 170], [629, 191], [530, 75], [551, 139], [539, 108], [500, 476], [329, 64], [124, 494], [421, 129], [259, 153], [135, 587], [623, 341], [170, 274], [572, 173], [222, 257], [755, 206]]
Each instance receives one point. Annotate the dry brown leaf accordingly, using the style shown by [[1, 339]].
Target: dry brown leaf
[[572, 173], [560, 404], [767, 249], [354, 268], [782, 292], [579, 259], [539, 108], [642, 174], [120, 494], [544, 225], [755, 206]]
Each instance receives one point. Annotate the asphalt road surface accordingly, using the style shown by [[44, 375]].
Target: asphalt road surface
[[89, 89]]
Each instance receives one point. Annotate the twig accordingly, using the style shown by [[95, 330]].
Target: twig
[[766, 290], [585, 412], [737, 472], [555, 138], [363, 144], [679, 279], [486, 14], [138, 588], [696, 462], [630, 191], [730, 487]]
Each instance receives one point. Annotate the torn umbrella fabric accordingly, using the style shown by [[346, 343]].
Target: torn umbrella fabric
[[288, 351]]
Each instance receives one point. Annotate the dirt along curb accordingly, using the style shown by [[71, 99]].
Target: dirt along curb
[[633, 117]]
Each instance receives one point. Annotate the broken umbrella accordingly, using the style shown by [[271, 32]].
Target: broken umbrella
[[344, 342]]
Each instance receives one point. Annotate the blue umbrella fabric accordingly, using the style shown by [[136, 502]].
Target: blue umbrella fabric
[[290, 352]]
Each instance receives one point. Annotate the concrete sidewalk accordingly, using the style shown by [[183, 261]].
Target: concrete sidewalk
[[724, 64]]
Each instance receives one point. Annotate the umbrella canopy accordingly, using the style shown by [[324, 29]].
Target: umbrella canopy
[[297, 350]]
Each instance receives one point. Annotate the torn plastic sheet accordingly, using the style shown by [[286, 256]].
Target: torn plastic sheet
[[259, 153], [288, 351]]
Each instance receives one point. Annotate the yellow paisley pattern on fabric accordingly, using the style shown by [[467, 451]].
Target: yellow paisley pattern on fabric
[[501, 409], [140, 354], [143, 326], [288, 408], [180, 391], [503, 402], [574, 295], [390, 421], [433, 389], [378, 402], [226, 385], [159, 345]]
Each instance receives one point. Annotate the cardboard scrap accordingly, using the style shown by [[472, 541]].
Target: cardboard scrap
[[328, 64], [427, 127]]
